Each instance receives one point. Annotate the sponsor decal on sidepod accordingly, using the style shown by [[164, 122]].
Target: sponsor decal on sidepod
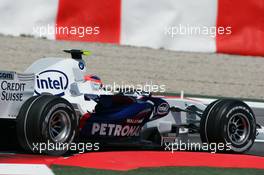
[[105, 129], [51, 81], [163, 108], [6, 75]]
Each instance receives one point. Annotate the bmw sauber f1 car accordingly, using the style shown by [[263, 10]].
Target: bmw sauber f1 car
[[55, 101]]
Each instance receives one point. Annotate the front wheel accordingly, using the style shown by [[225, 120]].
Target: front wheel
[[228, 122], [46, 124]]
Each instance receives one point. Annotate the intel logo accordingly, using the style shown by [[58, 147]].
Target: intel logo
[[51, 81]]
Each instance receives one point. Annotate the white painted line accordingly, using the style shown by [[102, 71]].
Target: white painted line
[[259, 141], [24, 169], [7, 153], [210, 100]]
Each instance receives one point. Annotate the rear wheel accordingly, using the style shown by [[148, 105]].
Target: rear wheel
[[230, 123], [46, 124]]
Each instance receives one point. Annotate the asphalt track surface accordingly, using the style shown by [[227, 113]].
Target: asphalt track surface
[[195, 73]]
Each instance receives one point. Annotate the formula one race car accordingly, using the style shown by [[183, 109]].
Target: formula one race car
[[54, 101]]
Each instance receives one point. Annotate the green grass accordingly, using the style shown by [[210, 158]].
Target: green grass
[[66, 170]]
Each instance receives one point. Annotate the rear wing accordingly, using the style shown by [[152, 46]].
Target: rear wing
[[15, 89]]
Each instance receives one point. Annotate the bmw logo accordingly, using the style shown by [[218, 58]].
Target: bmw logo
[[81, 65], [163, 108]]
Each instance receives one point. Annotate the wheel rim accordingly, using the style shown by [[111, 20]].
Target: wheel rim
[[238, 129], [59, 126]]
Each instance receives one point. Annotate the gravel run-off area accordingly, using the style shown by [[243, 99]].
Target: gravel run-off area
[[195, 73]]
